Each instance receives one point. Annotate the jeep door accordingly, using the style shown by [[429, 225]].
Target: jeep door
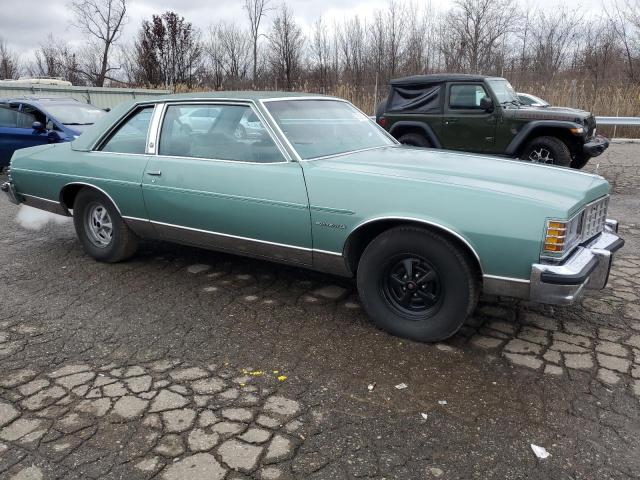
[[465, 125], [222, 190]]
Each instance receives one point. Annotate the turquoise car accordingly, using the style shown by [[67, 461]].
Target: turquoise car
[[319, 185]]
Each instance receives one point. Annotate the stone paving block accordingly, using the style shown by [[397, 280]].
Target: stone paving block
[[573, 339], [201, 466], [255, 435], [331, 292], [504, 327], [634, 341], [282, 406], [200, 440], [129, 406], [8, 413], [610, 335], [167, 400], [607, 376], [485, 342], [237, 414], [20, 428], [613, 363], [578, 361], [44, 398], [529, 361], [76, 379], [192, 373], [170, 446], [239, 455], [208, 386], [553, 370], [176, 421], [534, 335], [280, 448], [520, 346], [611, 348], [33, 386], [567, 347], [552, 356], [16, 377], [198, 268], [69, 370]]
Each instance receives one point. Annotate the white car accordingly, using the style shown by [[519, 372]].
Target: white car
[[532, 100]]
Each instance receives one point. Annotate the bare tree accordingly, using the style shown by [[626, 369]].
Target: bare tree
[[478, 26], [55, 59], [235, 45], [102, 21], [256, 10], [287, 42], [9, 63], [625, 20]]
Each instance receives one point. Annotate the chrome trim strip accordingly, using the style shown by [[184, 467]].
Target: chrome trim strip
[[236, 237], [137, 219], [506, 279], [506, 286], [45, 204], [154, 129], [326, 252], [93, 186], [426, 222]]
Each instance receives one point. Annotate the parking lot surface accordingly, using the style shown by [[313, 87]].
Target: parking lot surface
[[189, 364]]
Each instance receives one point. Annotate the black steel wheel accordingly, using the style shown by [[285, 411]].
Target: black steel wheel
[[411, 285], [416, 283]]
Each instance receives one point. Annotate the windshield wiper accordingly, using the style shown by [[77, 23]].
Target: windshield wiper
[[76, 123]]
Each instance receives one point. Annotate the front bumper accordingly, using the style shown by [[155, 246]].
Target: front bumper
[[587, 268], [10, 190], [595, 146]]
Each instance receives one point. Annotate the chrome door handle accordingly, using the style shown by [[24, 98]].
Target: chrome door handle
[[156, 173]]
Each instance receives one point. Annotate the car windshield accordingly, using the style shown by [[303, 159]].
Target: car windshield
[[75, 114], [503, 91], [318, 128]]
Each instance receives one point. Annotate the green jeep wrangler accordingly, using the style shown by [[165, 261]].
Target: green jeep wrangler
[[482, 114]]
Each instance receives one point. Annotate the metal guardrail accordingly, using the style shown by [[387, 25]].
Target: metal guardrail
[[618, 121]]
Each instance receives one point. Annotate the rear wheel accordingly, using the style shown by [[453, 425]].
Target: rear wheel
[[548, 150], [416, 284], [100, 228], [415, 139]]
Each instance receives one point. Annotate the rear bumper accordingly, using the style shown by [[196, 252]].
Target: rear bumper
[[595, 146], [10, 190], [587, 268]]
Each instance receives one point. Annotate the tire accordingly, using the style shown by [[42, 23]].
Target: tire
[[116, 246], [449, 294], [415, 139], [548, 150]]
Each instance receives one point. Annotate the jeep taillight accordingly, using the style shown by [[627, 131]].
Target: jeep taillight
[[382, 121]]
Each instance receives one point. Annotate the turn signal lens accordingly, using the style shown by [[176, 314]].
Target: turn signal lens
[[555, 236]]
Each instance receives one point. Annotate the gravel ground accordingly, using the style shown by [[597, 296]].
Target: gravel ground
[[189, 364]]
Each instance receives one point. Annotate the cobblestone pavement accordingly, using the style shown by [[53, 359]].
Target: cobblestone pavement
[[188, 364]]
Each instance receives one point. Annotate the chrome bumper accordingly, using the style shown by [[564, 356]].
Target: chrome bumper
[[10, 190], [587, 268]]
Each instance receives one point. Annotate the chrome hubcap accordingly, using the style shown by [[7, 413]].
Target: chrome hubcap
[[99, 226], [541, 155]]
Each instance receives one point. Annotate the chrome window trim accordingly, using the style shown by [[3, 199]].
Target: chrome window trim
[[426, 222], [151, 146], [350, 152], [243, 103], [264, 101]]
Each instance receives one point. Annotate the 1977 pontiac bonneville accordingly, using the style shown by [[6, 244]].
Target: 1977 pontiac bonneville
[[317, 184]]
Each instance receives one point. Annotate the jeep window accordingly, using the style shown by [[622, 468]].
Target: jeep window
[[503, 90], [466, 97], [318, 128]]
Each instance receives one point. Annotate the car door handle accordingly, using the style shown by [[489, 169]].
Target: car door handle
[[155, 173], [449, 121]]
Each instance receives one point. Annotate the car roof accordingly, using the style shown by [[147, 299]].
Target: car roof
[[43, 101], [440, 78]]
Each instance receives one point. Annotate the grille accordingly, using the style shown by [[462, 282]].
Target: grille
[[595, 215]]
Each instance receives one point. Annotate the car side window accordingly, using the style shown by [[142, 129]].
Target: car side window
[[130, 136], [28, 115], [466, 96], [231, 132], [8, 116]]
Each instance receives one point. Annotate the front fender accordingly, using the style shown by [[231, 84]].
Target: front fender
[[530, 128]]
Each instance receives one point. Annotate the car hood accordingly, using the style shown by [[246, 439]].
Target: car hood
[[562, 188], [548, 113]]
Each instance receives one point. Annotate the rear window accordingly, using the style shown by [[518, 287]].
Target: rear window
[[131, 136], [416, 98]]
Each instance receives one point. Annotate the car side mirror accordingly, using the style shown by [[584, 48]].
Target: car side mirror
[[107, 109], [486, 104], [54, 137], [38, 127]]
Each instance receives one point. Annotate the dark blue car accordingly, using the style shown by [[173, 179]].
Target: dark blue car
[[26, 122]]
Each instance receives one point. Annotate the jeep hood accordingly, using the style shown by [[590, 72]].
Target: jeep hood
[[548, 113], [561, 188]]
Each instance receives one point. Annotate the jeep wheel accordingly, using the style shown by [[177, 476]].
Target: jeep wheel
[[415, 139], [415, 284], [100, 228], [549, 150]]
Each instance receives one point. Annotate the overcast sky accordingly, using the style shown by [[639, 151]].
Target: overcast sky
[[25, 27]]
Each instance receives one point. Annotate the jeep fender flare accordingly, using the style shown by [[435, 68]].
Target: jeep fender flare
[[525, 132], [423, 127]]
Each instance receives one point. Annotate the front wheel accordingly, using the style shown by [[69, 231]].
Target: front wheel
[[416, 284], [548, 150], [100, 228], [415, 139]]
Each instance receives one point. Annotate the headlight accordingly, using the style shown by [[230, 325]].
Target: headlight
[[562, 235]]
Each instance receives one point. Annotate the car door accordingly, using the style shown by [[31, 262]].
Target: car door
[[465, 125], [220, 190], [16, 129]]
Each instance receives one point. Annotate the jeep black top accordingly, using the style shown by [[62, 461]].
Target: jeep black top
[[483, 114]]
